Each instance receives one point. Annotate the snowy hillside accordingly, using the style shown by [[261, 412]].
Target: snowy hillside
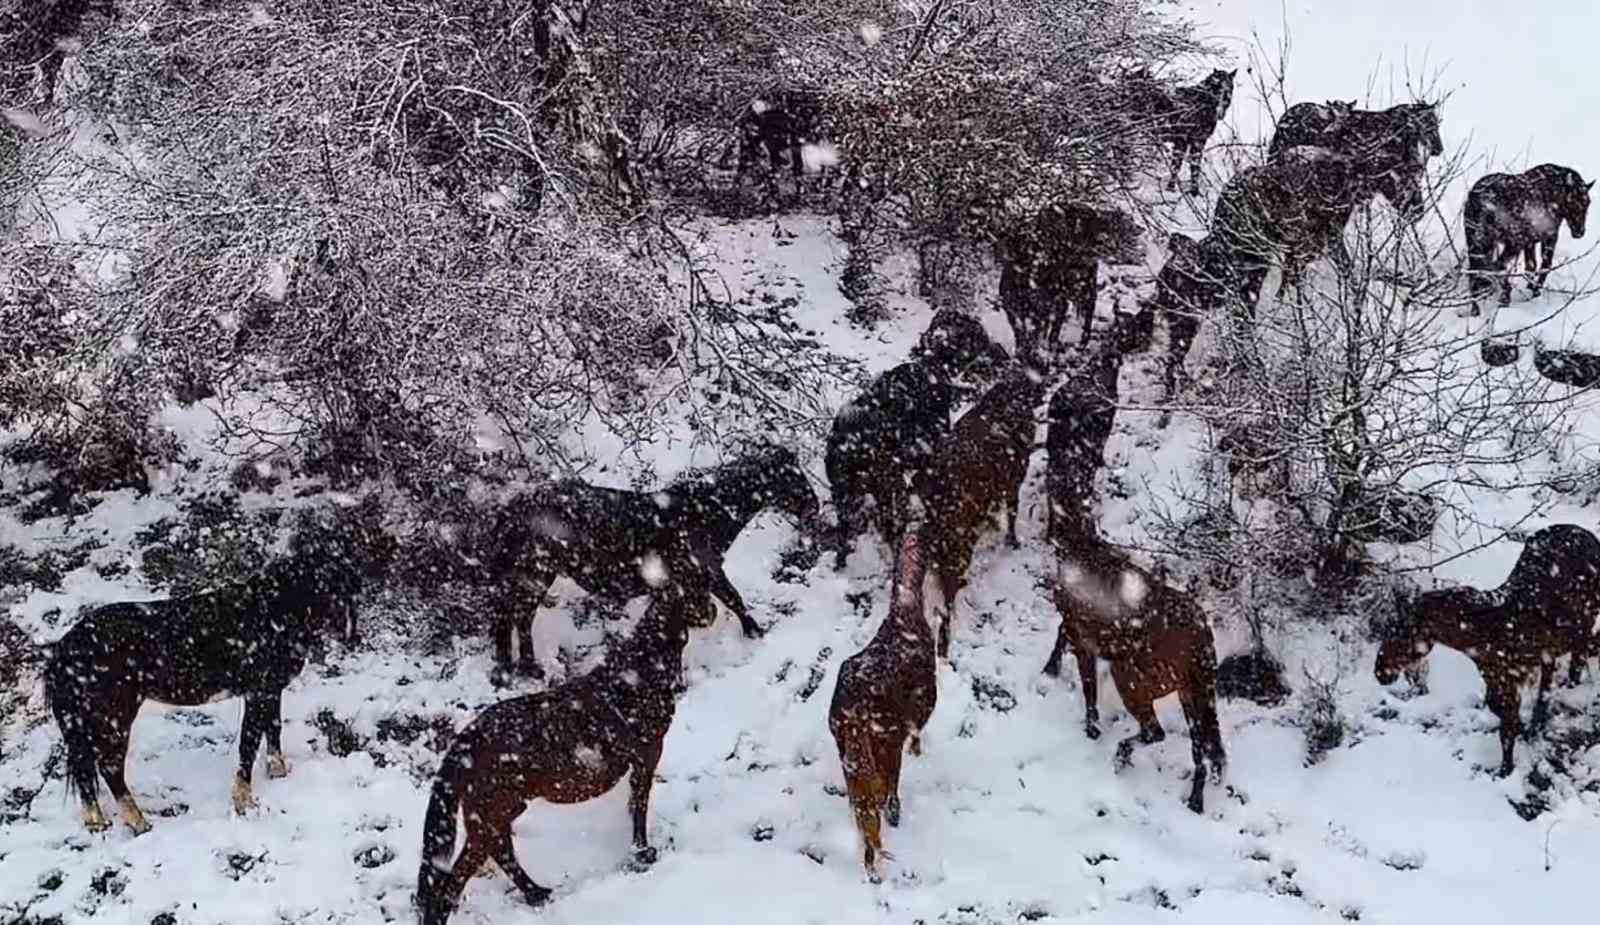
[[1010, 815]]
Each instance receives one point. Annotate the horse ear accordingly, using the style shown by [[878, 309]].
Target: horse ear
[[1588, 186]]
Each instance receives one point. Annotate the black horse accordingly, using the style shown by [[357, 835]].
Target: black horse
[[619, 544], [1051, 267], [783, 123], [1191, 283], [1185, 117], [1508, 215], [882, 439], [1338, 126], [247, 640], [1294, 208]]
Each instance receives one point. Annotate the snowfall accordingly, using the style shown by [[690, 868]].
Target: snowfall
[[1011, 814]]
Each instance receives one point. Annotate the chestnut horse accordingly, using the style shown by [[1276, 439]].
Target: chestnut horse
[[569, 744], [1545, 609], [1158, 642]]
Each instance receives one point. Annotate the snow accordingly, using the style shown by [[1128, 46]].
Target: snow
[[1011, 814]]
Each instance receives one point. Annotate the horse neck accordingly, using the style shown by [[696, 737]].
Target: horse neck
[[646, 661], [729, 502], [1450, 623]]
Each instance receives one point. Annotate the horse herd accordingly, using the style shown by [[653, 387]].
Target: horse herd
[[933, 488]]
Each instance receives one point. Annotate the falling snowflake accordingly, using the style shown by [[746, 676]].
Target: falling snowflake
[[653, 570], [275, 281], [871, 33], [1133, 588]]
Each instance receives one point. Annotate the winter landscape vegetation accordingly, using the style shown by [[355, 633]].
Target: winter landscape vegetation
[[930, 461]]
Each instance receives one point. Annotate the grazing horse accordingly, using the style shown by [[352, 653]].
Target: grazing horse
[[1545, 609], [883, 439], [1339, 126], [1052, 267], [883, 697], [608, 539], [247, 640], [976, 472], [787, 122], [1079, 418], [1184, 118], [570, 744], [1158, 642], [1508, 215], [1294, 208]]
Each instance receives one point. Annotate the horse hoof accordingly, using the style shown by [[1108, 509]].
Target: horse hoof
[[891, 812], [916, 746], [753, 630], [277, 766], [1196, 806], [644, 857], [243, 799], [539, 897], [1093, 732], [1051, 668], [95, 821]]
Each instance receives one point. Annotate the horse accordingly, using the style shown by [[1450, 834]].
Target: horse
[[1185, 117], [1158, 642], [883, 698], [1339, 126], [1508, 215], [1053, 265], [786, 122], [1079, 420], [883, 439], [609, 540], [1543, 610], [243, 640], [975, 472], [569, 744], [1187, 288], [1294, 208]]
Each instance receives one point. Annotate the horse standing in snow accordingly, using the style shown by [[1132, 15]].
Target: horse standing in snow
[[570, 744], [619, 544], [1189, 286], [247, 640], [1184, 118], [1294, 209], [1360, 133], [784, 123], [883, 440], [1545, 609], [884, 696], [1508, 215], [1158, 642], [976, 473], [1052, 267]]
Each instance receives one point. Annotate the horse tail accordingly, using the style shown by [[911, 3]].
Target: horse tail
[[439, 835], [63, 690]]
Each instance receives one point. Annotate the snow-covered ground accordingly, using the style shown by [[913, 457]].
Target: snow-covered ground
[[1010, 815]]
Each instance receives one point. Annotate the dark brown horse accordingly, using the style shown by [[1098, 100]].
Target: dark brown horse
[[1051, 269], [1079, 421], [1191, 284], [883, 698], [1545, 609], [1185, 117], [782, 124], [1509, 215], [883, 439], [610, 541], [569, 744], [1158, 642], [1339, 126], [975, 474], [247, 640]]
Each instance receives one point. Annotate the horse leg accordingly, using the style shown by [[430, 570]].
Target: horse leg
[[1175, 165], [1194, 168], [1541, 700], [472, 858], [1199, 739], [251, 729], [504, 853], [863, 791], [1088, 292], [723, 589], [893, 751], [845, 509], [639, 780], [1507, 258], [949, 587], [1548, 248], [1142, 709], [1052, 665], [1504, 702], [112, 751], [277, 765], [522, 613], [1091, 690]]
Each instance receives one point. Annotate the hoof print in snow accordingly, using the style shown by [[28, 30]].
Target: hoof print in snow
[[172, 810], [236, 864], [191, 717], [1350, 913], [1404, 861], [164, 918], [1095, 860], [990, 695], [1531, 807], [762, 832], [814, 853], [342, 740], [51, 881], [108, 882], [374, 856], [819, 670], [1152, 896]]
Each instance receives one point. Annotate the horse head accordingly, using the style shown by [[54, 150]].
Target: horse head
[[1220, 84], [1402, 641], [1401, 184], [1575, 204], [785, 485], [957, 347]]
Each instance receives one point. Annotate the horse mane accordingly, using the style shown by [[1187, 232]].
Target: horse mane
[[758, 457]]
